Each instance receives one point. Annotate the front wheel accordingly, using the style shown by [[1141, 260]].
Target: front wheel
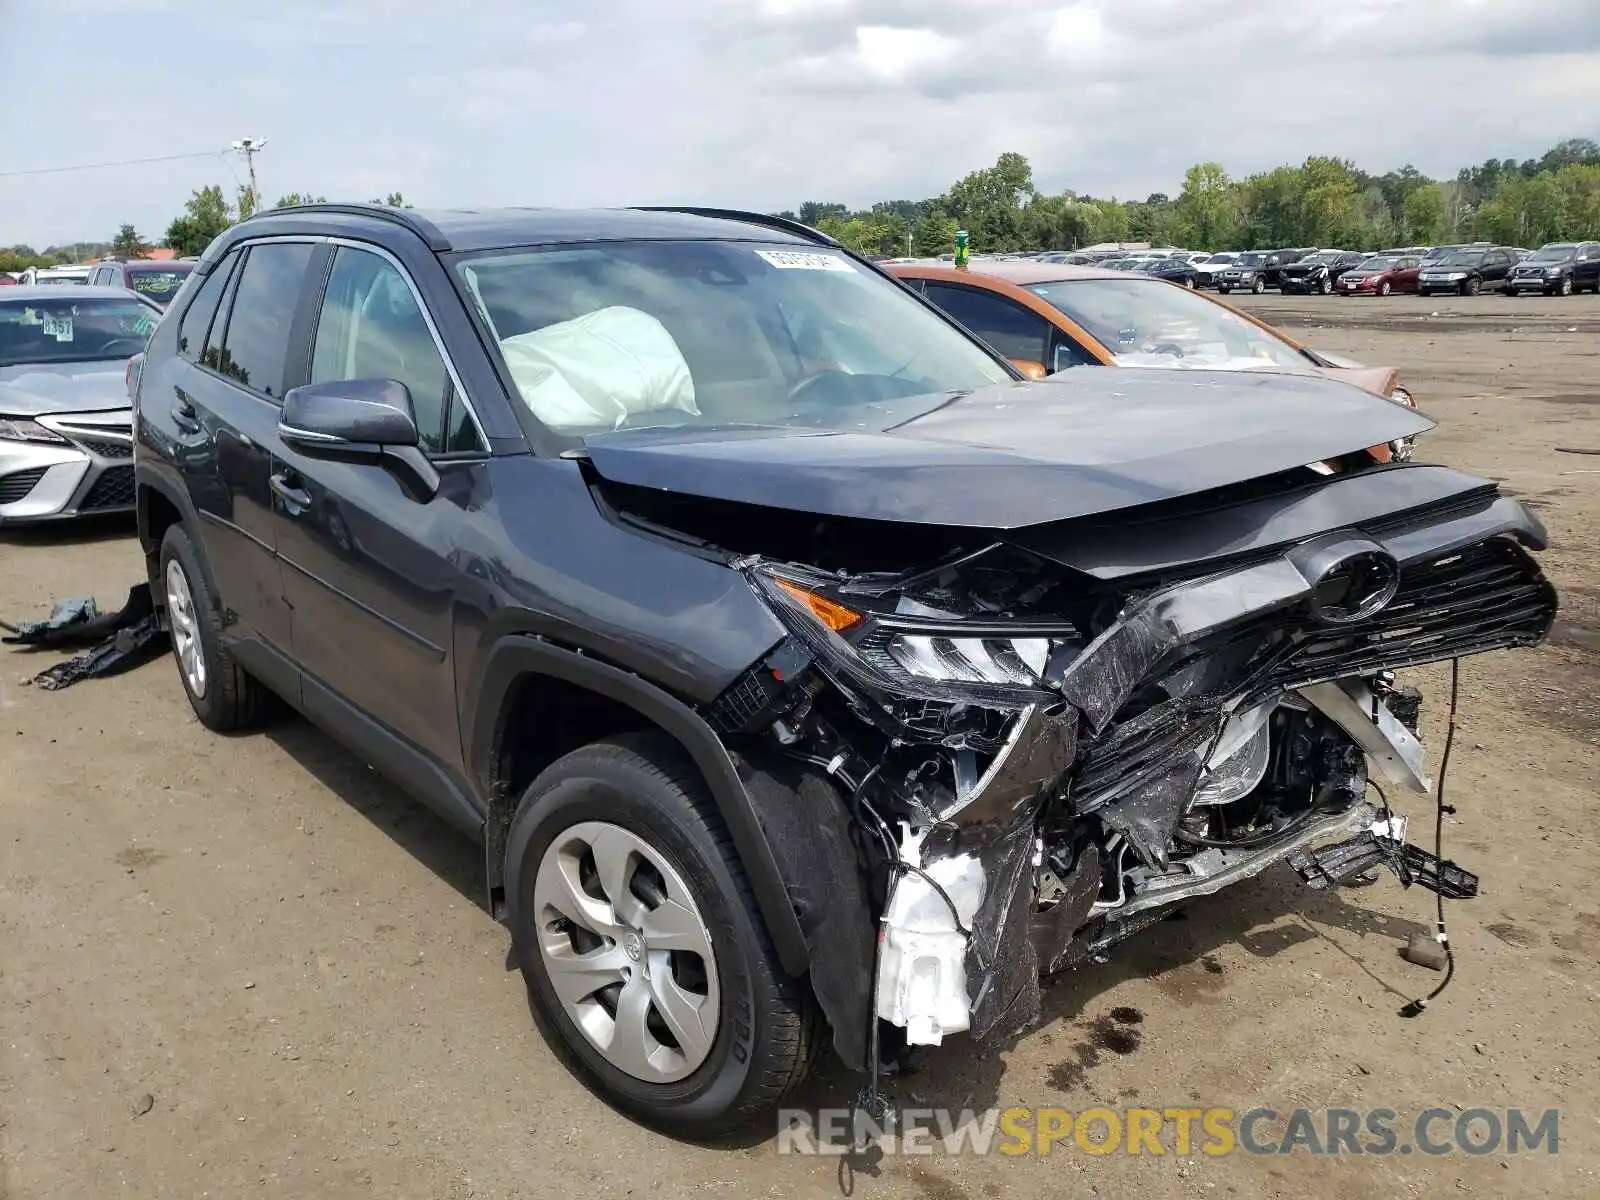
[[1325, 287], [648, 965], [1565, 287], [1258, 287], [1471, 287], [222, 694], [1384, 288]]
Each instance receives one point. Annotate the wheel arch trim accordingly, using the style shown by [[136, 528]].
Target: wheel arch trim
[[517, 657]]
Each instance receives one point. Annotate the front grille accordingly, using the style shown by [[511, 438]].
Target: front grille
[[18, 484], [105, 449], [1485, 597], [114, 489]]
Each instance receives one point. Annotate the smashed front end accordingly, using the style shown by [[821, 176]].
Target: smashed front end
[[1036, 746]]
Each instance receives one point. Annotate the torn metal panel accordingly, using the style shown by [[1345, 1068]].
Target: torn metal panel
[[1052, 929], [1387, 743], [809, 829], [1002, 968], [1149, 816], [1037, 752]]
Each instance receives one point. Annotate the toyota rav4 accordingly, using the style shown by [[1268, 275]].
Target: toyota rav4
[[804, 672]]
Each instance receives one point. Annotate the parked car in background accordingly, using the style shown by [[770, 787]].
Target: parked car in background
[[65, 422], [54, 276], [1467, 271], [1317, 272], [1381, 275], [1559, 269], [1248, 272], [1431, 254], [1056, 317], [736, 658], [1279, 259], [1177, 269], [157, 282], [1208, 271]]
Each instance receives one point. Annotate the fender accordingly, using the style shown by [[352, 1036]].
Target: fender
[[152, 477], [517, 657]]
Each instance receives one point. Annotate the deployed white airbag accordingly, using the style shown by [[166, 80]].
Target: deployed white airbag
[[600, 369]]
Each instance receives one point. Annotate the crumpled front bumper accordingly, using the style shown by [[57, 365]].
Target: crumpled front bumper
[[1451, 568]]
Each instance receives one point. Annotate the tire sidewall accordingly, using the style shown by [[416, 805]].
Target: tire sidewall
[[1384, 288], [177, 546], [1564, 288], [604, 792]]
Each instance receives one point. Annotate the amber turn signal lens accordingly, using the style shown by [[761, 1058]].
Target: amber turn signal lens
[[835, 616]]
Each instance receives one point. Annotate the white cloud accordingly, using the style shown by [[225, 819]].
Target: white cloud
[[769, 103]]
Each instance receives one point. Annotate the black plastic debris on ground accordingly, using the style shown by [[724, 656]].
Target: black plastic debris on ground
[[116, 642]]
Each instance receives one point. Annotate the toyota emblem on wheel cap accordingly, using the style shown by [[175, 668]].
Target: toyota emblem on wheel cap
[[1355, 586]]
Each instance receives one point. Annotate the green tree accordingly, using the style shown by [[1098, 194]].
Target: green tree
[[128, 243], [205, 215], [1423, 215], [934, 232], [1208, 207], [393, 200], [814, 211], [297, 199], [988, 203], [245, 202]]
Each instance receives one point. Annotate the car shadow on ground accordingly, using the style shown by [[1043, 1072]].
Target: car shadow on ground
[[408, 823], [1187, 956], [80, 531]]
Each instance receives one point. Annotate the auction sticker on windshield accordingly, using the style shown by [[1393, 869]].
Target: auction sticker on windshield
[[59, 328], [793, 260]]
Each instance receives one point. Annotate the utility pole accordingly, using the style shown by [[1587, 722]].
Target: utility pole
[[250, 147]]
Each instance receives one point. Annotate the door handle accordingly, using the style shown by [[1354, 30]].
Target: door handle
[[295, 499], [184, 415]]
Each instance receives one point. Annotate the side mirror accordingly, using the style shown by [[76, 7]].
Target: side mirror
[[1029, 368], [348, 415], [360, 420]]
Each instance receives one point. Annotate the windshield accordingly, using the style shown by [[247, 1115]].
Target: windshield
[[1153, 324], [57, 280], [629, 334], [1326, 259], [1554, 253], [1468, 259], [1251, 260], [65, 330], [160, 284], [1377, 264]]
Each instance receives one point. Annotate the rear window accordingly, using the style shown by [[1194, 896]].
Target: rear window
[[160, 284]]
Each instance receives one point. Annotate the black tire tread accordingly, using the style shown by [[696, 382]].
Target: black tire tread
[[236, 699], [792, 1015]]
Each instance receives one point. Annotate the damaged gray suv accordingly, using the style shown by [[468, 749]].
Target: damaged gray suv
[[744, 607]]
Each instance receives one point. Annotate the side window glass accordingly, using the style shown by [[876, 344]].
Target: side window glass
[[1065, 352], [197, 317], [1008, 327], [255, 345], [372, 328]]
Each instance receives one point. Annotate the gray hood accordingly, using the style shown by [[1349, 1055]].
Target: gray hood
[[36, 389]]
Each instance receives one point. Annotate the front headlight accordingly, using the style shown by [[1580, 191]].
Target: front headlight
[[910, 650], [1457, 275], [1552, 270], [21, 429]]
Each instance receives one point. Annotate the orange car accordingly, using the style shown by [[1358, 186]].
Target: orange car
[[1046, 318]]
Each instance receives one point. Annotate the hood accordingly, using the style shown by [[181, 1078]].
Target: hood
[[34, 389], [1303, 268], [1021, 454]]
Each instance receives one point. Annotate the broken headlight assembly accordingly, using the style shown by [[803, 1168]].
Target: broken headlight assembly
[[903, 648]]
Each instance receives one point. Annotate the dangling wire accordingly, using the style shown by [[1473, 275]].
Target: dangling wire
[[1418, 1006]]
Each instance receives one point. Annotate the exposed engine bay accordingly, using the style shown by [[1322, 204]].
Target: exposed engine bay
[[1035, 744]]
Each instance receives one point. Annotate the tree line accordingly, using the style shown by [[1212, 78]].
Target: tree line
[[1322, 202], [206, 213]]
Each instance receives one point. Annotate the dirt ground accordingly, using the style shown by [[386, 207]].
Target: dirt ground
[[242, 966]]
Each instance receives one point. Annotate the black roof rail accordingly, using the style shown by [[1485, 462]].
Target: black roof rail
[[421, 226], [749, 218]]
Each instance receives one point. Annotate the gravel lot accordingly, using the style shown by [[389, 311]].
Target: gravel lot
[[241, 966]]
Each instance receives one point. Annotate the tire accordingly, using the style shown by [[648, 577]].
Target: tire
[[1325, 287], [1564, 288], [639, 790], [1384, 289], [1471, 287], [1224, 291], [1259, 286], [223, 695], [1189, 283]]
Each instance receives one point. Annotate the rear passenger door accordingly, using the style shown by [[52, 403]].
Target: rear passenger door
[[367, 562], [235, 338], [1586, 272]]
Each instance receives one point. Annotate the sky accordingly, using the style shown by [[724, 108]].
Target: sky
[[756, 104]]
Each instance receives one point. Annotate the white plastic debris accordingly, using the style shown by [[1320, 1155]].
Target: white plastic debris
[[922, 975]]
